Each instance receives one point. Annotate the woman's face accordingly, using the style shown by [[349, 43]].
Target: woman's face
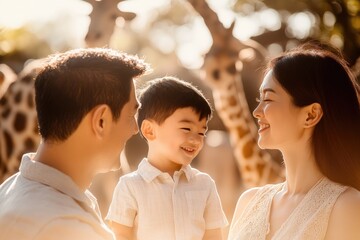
[[280, 121]]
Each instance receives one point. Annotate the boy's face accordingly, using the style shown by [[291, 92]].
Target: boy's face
[[179, 138]]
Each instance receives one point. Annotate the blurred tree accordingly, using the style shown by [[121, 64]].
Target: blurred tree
[[336, 21], [19, 45]]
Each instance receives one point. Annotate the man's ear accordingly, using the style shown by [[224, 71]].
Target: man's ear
[[314, 114], [100, 119], [147, 129]]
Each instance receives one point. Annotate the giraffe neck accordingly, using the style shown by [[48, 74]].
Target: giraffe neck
[[256, 166]]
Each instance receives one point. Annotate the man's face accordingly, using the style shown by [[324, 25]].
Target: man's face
[[124, 128]]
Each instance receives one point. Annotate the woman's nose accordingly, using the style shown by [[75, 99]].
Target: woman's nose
[[257, 111]]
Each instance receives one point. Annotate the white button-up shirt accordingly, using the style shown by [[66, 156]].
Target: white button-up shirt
[[161, 207], [41, 202]]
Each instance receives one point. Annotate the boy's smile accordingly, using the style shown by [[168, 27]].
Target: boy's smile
[[177, 141]]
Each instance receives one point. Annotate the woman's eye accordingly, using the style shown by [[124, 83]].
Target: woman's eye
[[262, 100], [202, 134], [186, 129]]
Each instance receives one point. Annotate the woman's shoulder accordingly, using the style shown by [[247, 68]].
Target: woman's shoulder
[[249, 195], [251, 192], [345, 216], [348, 203]]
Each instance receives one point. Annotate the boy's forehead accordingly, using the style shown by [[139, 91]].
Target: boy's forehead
[[188, 114]]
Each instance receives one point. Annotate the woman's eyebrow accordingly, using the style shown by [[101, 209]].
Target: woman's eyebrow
[[264, 90]]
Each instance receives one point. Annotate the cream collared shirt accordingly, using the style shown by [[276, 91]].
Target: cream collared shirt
[[164, 208], [41, 203]]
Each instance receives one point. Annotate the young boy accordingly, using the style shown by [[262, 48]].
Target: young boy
[[166, 198]]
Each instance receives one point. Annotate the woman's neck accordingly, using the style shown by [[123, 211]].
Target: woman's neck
[[302, 172]]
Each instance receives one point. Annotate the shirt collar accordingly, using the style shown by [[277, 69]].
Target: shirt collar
[[54, 178], [148, 172], [187, 169]]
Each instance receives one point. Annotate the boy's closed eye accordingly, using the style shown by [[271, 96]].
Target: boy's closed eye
[[186, 129], [189, 129]]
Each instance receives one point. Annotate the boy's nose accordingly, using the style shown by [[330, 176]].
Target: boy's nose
[[195, 138]]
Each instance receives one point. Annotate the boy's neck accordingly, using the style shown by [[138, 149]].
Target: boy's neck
[[165, 166]]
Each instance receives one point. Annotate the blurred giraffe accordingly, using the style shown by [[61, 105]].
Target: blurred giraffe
[[18, 124], [223, 65], [103, 21]]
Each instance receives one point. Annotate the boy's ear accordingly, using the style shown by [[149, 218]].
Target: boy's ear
[[314, 115], [147, 129], [100, 119]]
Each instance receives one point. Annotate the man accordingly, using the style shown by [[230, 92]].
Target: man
[[86, 105]]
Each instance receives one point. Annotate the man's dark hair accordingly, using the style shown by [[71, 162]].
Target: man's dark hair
[[71, 84]]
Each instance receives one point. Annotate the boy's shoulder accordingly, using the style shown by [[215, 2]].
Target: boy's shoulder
[[131, 176], [200, 175], [198, 172]]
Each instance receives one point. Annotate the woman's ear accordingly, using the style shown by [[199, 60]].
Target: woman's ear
[[314, 114], [147, 129], [99, 120]]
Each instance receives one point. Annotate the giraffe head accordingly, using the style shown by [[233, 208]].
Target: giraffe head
[[103, 21], [230, 60], [221, 69]]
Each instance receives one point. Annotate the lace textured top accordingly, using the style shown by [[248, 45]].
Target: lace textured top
[[309, 219]]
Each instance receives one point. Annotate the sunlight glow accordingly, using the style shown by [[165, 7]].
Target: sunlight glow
[[162, 40], [215, 138], [329, 19], [147, 11], [195, 42], [270, 19], [300, 24], [337, 41], [275, 49], [40, 17], [226, 17], [65, 23], [245, 27]]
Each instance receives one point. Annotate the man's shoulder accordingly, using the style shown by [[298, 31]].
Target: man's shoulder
[[25, 212], [29, 199]]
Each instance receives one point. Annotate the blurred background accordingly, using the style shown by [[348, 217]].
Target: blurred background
[[178, 38]]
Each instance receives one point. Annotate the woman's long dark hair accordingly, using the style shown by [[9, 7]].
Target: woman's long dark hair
[[317, 73]]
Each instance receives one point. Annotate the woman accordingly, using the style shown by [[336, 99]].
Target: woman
[[309, 110]]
